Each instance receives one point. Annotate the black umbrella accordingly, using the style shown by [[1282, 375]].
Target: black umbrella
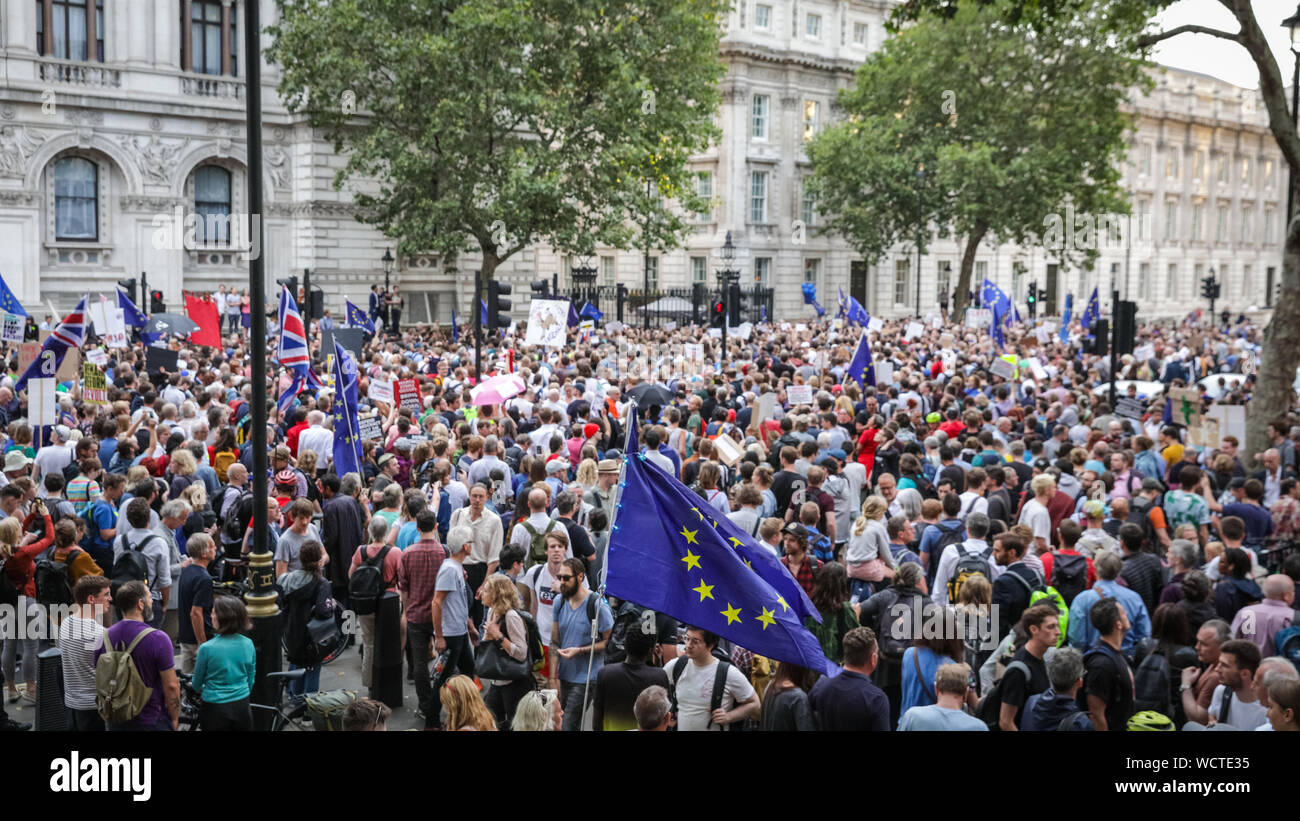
[[173, 324], [648, 395]]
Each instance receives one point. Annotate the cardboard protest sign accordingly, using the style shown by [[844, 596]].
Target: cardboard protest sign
[[15, 326], [1129, 408], [158, 359], [27, 355], [728, 451], [406, 393], [1186, 406], [799, 394], [369, 427], [95, 388], [380, 390], [548, 322]]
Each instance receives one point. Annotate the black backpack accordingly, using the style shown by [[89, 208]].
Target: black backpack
[[8, 592], [897, 625], [1141, 516], [534, 640], [131, 565], [968, 564], [1151, 685], [303, 646], [366, 585], [989, 710], [53, 584], [1069, 575], [923, 486], [719, 688], [235, 523]]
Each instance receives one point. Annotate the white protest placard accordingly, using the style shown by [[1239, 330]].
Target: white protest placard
[[1231, 419], [914, 330], [693, 351], [95, 308], [716, 333], [670, 326], [14, 327], [884, 373], [1048, 326], [875, 324], [785, 326], [979, 317], [743, 330], [1043, 335], [1003, 368], [799, 394], [936, 322], [1040, 373], [1144, 352], [42, 409], [763, 409], [98, 356], [116, 336], [548, 322], [381, 390]]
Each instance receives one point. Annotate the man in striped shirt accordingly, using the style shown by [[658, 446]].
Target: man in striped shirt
[[80, 635], [417, 574]]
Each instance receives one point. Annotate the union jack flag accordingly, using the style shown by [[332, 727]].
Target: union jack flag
[[292, 351], [70, 333]]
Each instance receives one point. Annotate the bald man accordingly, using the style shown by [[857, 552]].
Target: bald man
[[1259, 623]]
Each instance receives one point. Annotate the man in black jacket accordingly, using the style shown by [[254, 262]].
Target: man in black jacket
[[341, 529]]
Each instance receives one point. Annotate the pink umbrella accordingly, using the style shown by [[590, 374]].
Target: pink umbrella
[[498, 389]]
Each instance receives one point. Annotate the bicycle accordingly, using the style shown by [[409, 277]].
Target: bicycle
[[286, 714]]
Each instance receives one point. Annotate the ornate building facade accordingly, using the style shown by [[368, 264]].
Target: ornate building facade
[[114, 114]]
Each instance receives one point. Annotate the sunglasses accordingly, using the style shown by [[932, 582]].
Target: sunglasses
[[565, 578]]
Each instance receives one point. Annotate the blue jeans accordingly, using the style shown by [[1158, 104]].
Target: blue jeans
[[305, 686], [859, 590]]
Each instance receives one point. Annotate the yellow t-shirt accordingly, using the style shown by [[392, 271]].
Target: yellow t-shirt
[[1173, 453]]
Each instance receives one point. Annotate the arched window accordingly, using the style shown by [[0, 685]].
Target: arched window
[[76, 199], [212, 204]]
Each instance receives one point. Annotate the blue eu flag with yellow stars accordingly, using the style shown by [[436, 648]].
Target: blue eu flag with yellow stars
[[347, 441], [993, 298], [672, 553], [1091, 313], [862, 368], [357, 318], [8, 302]]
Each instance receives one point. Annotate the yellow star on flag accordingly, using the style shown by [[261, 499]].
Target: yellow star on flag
[[750, 566], [768, 618], [691, 560], [698, 513], [781, 600], [735, 542], [732, 613], [690, 535], [705, 590]]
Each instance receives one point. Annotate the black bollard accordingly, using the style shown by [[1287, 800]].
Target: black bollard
[[386, 673]]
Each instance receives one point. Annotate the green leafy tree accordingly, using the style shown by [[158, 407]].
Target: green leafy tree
[[493, 124], [1274, 397], [1007, 123]]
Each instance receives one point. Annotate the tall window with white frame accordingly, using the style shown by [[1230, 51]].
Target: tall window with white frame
[[1171, 219], [1144, 159], [1144, 285], [1143, 227], [860, 34], [809, 120], [1198, 221], [76, 200], [70, 29], [699, 270], [1247, 226], [981, 273], [1171, 162], [608, 275], [901, 270], [758, 197], [762, 271], [212, 204], [761, 106], [704, 190], [653, 273], [1269, 221], [808, 206], [209, 41], [763, 17], [1171, 281], [812, 272], [1245, 281], [1221, 223], [813, 26]]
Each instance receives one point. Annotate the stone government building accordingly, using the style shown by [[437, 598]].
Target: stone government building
[[114, 112]]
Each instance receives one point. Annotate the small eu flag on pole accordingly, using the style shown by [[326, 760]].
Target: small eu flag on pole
[[357, 318], [861, 368], [8, 302], [1091, 313], [1065, 318]]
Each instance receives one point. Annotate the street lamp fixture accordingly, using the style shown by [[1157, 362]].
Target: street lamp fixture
[[388, 265]]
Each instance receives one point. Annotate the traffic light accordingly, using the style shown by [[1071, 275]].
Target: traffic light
[[717, 314], [1207, 288], [290, 282], [1101, 339], [1033, 291], [128, 285], [1218, 289], [315, 304], [1126, 326], [498, 305], [156, 304], [1042, 294], [538, 287]]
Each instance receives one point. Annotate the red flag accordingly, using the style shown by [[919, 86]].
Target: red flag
[[204, 314]]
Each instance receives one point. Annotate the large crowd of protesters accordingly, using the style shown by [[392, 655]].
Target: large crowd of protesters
[[1107, 573]]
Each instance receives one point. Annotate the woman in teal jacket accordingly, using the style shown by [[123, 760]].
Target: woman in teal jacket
[[224, 669]]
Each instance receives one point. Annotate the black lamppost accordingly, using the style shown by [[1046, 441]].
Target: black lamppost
[[388, 266], [920, 180], [1292, 25], [727, 277]]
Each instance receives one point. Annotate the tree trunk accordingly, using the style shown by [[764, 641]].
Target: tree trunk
[[1274, 395], [960, 299]]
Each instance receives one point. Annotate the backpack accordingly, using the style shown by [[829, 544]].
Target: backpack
[[537, 541], [820, 545], [968, 564], [534, 640], [989, 710], [306, 639], [234, 524], [1286, 640], [1151, 685], [223, 461], [8, 592], [366, 585], [923, 486], [1069, 575], [1141, 516], [53, 584], [1041, 593], [897, 621], [131, 565], [120, 694], [719, 687]]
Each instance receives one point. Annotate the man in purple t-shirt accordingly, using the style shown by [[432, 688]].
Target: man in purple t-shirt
[[153, 658]]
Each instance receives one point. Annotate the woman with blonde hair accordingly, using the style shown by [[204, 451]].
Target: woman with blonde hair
[[974, 610], [183, 467], [538, 711], [307, 464], [867, 556], [504, 628], [587, 474], [465, 707]]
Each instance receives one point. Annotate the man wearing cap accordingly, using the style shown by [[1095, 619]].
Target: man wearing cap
[[15, 467], [1095, 538], [53, 458], [280, 461]]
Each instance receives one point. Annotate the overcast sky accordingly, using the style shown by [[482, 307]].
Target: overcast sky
[[1222, 58]]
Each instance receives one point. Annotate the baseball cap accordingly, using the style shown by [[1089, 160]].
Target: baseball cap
[[796, 529], [1151, 483], [838, 453]]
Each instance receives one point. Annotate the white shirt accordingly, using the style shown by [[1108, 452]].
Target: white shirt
[[695, 693], [539, 579], [539, 522], [51, 460], [1242, 715], [1036, 516], [972, 502], [318, 440], [220, 298], [948, 561]]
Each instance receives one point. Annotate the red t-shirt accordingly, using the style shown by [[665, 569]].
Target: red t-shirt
[[867, 449]]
